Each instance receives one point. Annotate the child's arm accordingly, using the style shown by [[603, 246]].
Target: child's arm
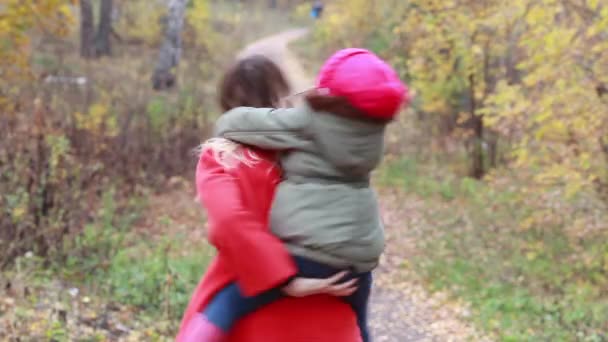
[[259, 259], [270, 129]]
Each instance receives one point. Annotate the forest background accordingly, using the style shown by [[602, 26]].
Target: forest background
[[503, 154]]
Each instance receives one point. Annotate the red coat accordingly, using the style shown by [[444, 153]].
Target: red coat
[[237, 203]]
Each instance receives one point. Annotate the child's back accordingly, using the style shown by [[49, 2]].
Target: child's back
[[325, 209]]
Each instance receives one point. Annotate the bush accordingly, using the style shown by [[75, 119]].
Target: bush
[[63, 145]]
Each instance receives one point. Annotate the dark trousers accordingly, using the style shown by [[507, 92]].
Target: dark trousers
[[229, 305]]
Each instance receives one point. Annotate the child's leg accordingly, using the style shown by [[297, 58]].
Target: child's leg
[[229, 305], [360, 301]]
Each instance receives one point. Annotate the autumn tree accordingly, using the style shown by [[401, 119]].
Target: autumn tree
[[558, 112]]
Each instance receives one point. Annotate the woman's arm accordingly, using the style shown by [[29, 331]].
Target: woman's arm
[[270, 129], [258, 258]]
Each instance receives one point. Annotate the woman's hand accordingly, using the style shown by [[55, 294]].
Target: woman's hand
[[302, 287]]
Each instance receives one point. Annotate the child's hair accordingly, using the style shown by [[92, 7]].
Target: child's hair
[[337, 105], [254, 81]]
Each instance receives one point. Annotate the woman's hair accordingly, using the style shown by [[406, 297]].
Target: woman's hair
[[254, 81]]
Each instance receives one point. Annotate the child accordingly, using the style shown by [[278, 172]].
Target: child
[[325, 210]]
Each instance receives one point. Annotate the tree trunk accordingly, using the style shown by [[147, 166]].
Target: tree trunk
[[476, 154], [87, 30], [492, 141], [102, 41], [171, 48]]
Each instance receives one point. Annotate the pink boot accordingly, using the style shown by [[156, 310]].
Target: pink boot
[[199, 329]]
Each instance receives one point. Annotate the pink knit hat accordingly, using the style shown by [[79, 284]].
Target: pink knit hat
[[366, 81]]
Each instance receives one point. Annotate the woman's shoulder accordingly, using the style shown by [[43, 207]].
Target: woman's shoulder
[[231, 155]]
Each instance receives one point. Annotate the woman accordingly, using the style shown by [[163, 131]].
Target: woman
[[236, 184]]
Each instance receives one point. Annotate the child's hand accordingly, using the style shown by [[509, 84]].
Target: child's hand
[[302, 287]]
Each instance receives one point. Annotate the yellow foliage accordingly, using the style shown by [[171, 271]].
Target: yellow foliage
[[198, 17], [17, 19], [140, 20], [99, 120], [18, 213], [555, 113]]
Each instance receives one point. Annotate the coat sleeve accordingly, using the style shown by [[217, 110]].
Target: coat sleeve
[[258, 258], [270, 129]]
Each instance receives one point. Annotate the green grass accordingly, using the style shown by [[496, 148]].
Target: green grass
[[116, 271], [153, 276], [536, 284]]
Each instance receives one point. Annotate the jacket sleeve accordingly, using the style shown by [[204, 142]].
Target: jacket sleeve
[[258, 258], [270, 129]]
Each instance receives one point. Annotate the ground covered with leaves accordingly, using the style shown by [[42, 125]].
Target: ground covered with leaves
[[468, 241]]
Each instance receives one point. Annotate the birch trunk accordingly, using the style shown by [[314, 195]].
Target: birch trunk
[[171, 48]]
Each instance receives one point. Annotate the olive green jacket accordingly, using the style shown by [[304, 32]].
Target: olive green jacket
[[325, 209]]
